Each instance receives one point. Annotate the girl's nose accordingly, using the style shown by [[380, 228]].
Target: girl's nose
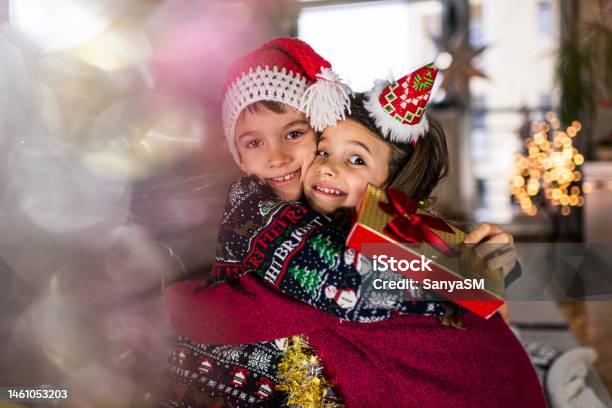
[[326, 169]]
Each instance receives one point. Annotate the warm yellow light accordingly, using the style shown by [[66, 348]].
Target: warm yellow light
[[565, 211], [549, 166], [525, 202], [548, 193], [538, 138], [518, 181], [577, 125], [578, 159], [573, 200], [564, 200], [587, 187]]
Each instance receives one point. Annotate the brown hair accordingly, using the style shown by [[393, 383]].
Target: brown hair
[[272, 106], [415, 170]]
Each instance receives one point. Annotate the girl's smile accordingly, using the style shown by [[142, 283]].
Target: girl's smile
[[328, 190]]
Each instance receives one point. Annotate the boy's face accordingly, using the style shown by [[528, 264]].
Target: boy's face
[[276, 148], [349, 156]]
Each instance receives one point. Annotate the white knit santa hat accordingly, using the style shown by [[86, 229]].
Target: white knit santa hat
[[289, 71]]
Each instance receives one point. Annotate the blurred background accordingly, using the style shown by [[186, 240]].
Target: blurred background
[[114, 172]]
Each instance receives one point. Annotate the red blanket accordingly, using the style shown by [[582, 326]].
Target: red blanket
[[409, 361]]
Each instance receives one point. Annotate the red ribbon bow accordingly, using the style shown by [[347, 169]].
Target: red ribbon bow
[[408, 226]]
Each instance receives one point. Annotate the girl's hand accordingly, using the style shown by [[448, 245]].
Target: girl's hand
[[504, 312], [502, 254]]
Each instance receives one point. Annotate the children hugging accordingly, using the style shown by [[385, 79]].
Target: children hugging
[[284, 276]]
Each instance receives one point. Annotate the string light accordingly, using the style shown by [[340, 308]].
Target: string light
[[549, 170]]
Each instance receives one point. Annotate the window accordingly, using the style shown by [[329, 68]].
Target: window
[[381, 38], [544, 18]]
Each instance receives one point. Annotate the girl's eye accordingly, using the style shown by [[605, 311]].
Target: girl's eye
[[254, 143], [294, 134], [356, 160], [322, 153]]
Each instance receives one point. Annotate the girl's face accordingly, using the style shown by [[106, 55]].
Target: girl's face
[[276, 148], [349, 156]]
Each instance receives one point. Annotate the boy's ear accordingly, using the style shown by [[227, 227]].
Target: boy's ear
[[241, 165]]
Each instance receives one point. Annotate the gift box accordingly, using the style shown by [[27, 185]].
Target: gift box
[[390, 223]]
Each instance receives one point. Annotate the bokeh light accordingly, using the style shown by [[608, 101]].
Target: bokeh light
[[54, 25], [115, 49], [105, 110], [549, 169], [137, 137]]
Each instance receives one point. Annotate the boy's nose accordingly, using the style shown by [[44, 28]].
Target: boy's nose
[[278, 158]]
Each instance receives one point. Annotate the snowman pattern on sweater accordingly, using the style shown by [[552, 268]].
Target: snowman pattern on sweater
[[295, 251]]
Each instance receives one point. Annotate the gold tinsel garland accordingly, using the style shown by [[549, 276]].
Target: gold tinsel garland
[[300, 375]]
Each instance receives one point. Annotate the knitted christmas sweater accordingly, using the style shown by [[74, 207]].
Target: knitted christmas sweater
[[296, 252], [410, 361]]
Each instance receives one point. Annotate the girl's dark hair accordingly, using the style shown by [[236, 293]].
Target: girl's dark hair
[[415, 170]]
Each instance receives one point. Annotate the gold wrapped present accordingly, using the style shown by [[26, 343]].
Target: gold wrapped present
[[426, 250]]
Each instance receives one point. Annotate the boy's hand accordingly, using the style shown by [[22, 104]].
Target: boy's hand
[[501, 254]]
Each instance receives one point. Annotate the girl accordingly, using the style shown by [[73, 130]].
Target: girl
[[245, 368]]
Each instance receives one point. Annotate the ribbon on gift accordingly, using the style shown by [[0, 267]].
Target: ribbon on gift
[[408, 226]]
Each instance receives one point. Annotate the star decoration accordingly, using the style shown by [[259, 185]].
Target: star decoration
[[456, 78]]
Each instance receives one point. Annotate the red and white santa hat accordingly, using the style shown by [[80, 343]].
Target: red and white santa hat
[[398, 108], [289, 71]]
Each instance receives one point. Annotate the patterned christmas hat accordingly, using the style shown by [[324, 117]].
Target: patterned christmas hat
[[289, 71], [398, 108]]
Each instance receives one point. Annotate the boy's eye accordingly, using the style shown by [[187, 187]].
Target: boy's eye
[[322, 153], [356, 160], [254, 143], [294, 134]]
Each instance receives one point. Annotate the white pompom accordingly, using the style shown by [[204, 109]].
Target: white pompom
[[327, 100]]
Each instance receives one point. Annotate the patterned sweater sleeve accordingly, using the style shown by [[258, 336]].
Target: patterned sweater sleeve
[[303, 254]]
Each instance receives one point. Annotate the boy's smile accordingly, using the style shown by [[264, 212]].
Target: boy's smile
[[285, 178]]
